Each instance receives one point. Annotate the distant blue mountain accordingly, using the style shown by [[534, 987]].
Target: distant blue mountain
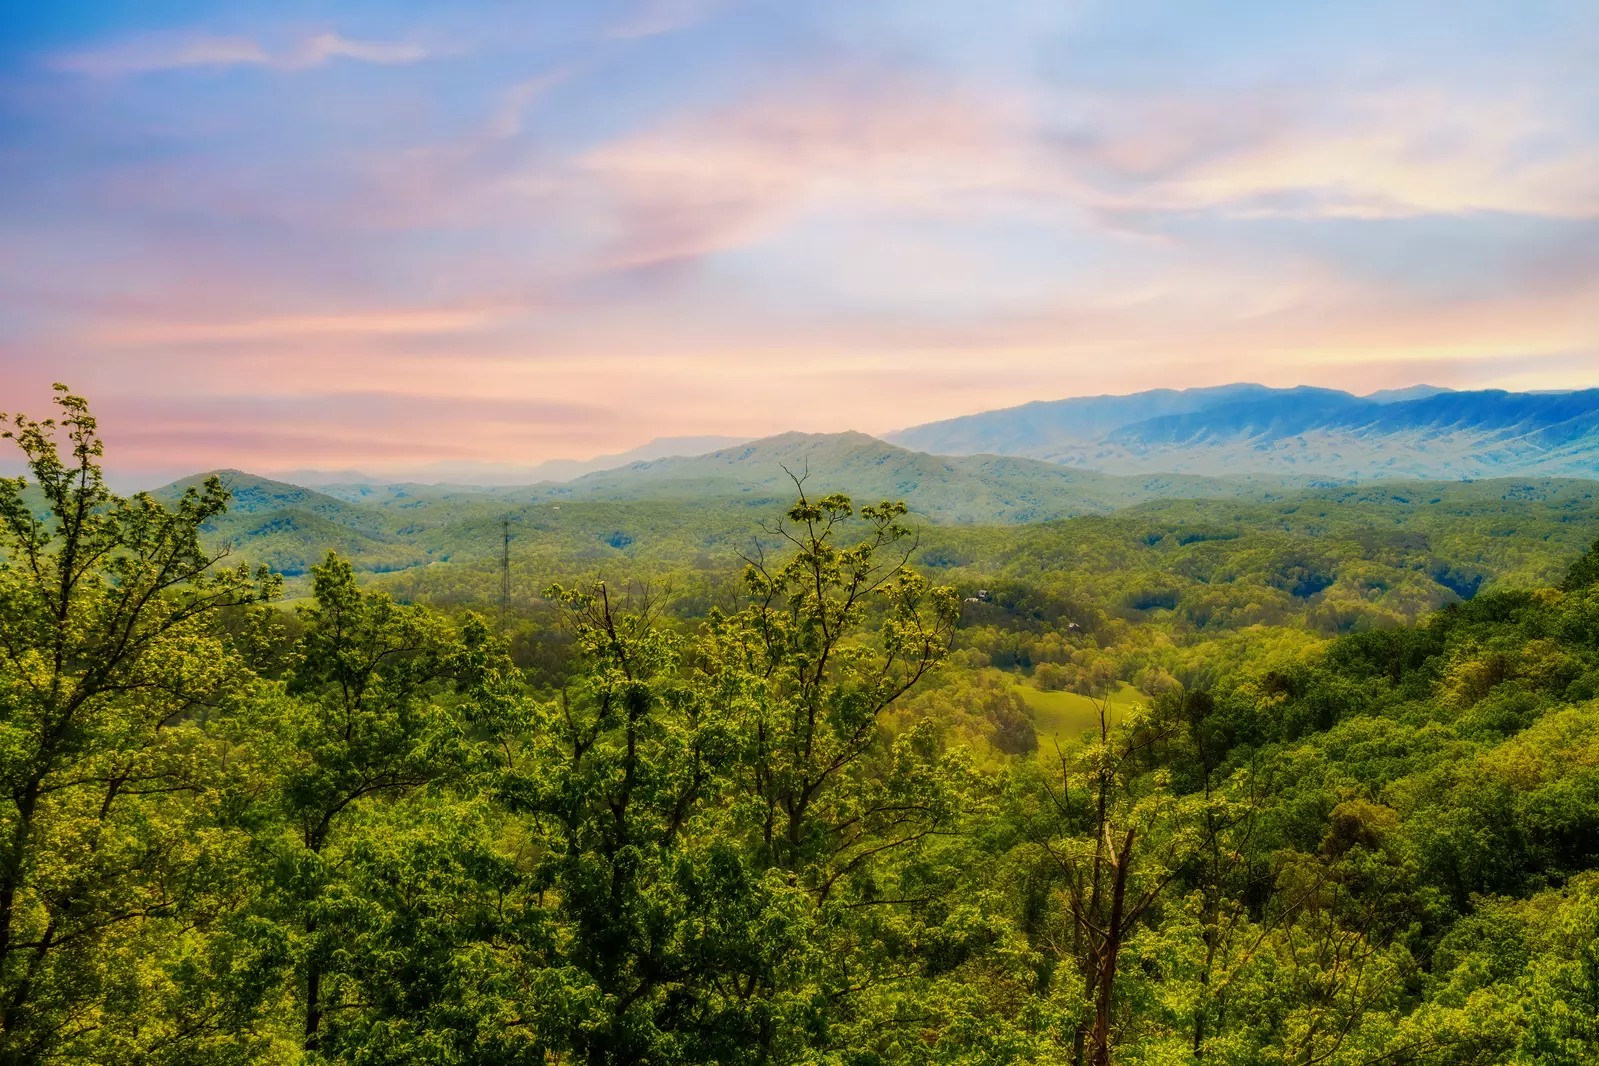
[[1413, 392], [1034, 428], [1236, 429]]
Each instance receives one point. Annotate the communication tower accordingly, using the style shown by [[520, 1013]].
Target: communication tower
[[505, 570]]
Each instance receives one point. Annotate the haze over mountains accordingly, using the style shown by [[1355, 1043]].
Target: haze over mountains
[[758, 474], [479, 473], [1040, 461], [961, 489], [1225, 431]]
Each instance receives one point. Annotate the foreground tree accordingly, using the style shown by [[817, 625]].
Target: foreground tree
[[109, 662], [713, 813], [818, 687], [648, 905], [380, 702], [1117, 837], [834, 809]]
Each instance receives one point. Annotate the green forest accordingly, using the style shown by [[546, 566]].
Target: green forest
[[1287, 774]]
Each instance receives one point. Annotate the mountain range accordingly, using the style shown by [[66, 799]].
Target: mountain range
[[949, 489], [398, 526], [1421, 432], [1033, 463]]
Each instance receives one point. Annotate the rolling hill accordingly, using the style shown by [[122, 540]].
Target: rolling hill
[[289, 527], [963, 489], [389, 527], [684, 509]]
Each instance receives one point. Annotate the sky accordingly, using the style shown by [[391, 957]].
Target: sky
[[380, 236]]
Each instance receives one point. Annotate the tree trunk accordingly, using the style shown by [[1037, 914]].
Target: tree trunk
[[11, 880], [1107, 963], [313, 998]]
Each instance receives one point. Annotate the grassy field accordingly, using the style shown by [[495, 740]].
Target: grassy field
[[1066, 714]]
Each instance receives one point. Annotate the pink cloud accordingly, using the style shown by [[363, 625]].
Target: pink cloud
[[689, 189], [1389, 152], [150, 54]]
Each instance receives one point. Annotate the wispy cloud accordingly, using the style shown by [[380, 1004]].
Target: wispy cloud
[[377, 324], [723, 178], [151, 54], [1314, 151], [651, 18], [507, 120]]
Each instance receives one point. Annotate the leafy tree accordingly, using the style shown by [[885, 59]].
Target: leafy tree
[[703, 805], [109, 664], [654, 916], [380, 700], [817, 691], [1119, 836], [832, 802]]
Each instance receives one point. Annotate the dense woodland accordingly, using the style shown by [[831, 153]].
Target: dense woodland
[[1308, 779]]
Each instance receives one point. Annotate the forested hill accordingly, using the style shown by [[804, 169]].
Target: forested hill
[[967, 489], [287, 527], [1328, 558], [389, 527], [973, 489], [1233, 429], [688, 502]]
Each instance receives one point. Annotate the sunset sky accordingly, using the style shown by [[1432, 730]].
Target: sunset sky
[[380, 235]]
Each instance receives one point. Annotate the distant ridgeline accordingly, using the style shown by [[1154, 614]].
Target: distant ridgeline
[[1423, 432]]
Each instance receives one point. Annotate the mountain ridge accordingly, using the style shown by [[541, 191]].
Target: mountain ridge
[[393, 527], [1421, 432], [390, 528]]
